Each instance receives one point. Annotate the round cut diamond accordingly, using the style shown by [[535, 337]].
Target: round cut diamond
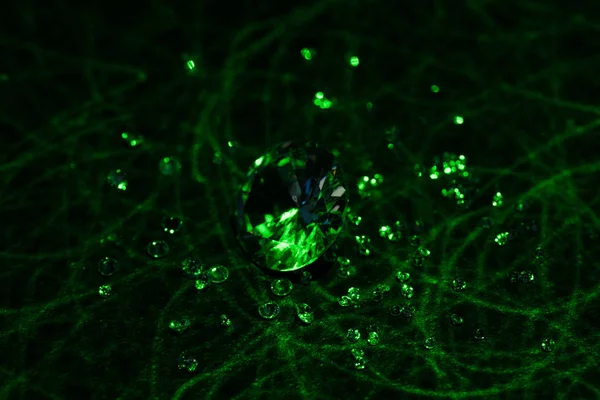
[[291, 208]]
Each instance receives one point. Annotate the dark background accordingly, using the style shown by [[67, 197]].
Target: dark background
[[523, 75]]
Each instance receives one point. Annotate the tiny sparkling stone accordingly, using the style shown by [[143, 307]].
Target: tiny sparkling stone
[[456, 320], [343, 261], [526, 277], [169, 166], [305, 313], [105, 291], [478, 334], [344, 301], [186, 362], [108, 266], [158, 249], [402, 276], [383, 288], [192, 268], [360, 364], [407, 291], [354, 294], [548, 345], [459, 285], [408, 311], [353, 335], [224, 321], [179, 325], [201, 284], [344, 271], [430, 343], [171, 224], [268, 310], [118, 179], [306, 278], [217, 274], [292, 207], [357, 353], [373, 338], [281, 287]]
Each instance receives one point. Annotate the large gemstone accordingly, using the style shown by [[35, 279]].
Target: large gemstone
[[292, 206]]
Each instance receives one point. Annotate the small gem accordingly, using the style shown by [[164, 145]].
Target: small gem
[[548, 345], [526, 277], [179, 325], [292, 208], [192, 268], [108, 266], [158, 249], [305, 313], [373, 338], [169, 166], [357, 353], [224, 321], [105, 291], [407, 291], [360, 364], [217, 274], [186, 362], [281, 287], [118, 179], [353, 335], [201, 284], [171, 224], [268, 310], [408, 311], [402, 276], [459, 285], [354, 294], [344, 301], [456, 320]]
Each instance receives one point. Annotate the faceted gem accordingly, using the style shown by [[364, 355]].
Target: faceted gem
[[187, 362], [407, 291], [402, 276], [353, 335], [179, 325], [281, 287], [217, 274], [354, 294], [291, 209], [158, 249], [268, 310], [526, 277], [305, 313], [108, 266], [357, 353], [171, 224], [192, 268]]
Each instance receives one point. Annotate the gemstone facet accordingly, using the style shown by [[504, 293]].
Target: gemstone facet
[[291, 208]]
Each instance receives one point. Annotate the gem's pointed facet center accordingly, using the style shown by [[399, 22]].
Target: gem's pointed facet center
[[292, 206]]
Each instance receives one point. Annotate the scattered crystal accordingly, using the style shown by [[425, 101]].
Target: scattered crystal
[[430, 343], [158, 249], [383, 288], [171, 224], [132, 139], [502, 238], [360, 364], [118, 179], [343, 261], [224, 321], [364, 243], [548, 345], [344, 301], [192, 268], [108, 266], [353, 335], [292, 208], [306, 278], [456, 319], [357, 353], [354, 294], [395, 310], [217, 274], [105, 291], [201, 284], [459, 285], [305, 313], [526, 277], [345, 271], [402, 276], [169, 166], [268, 310], [393, 234], [408, 311], [373, 338], [179, 325], [281, 287], [407, 291], [186, 362]]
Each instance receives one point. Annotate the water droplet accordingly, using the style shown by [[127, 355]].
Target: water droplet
[[108, 266], [402, 276], [373, 338], [305, 313], [313, 184], [383, 288], [408, 311], [171, 224], [268, 310], [353, 335], [217, 274], [407, 291], [169, 166], [548, 345], [459, 285], [456, 320], [224, 321], [118, 179], [281, 287], [158, 249], [105, 291], [192, 268], [345, 271], [430, 343], [187, 362], [180, 325], [343, 261]]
